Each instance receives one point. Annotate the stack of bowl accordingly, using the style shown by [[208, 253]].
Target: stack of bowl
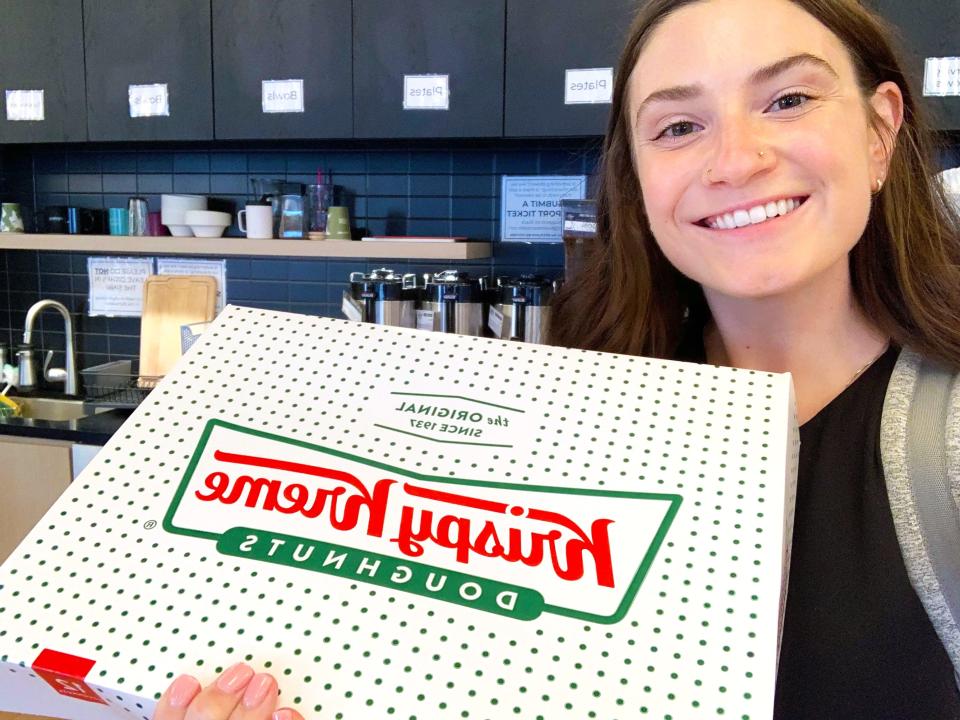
[[173, 209]]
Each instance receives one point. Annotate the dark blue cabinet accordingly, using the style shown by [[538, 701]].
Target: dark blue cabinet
[[143, 43], [305, 42], [41, 49]]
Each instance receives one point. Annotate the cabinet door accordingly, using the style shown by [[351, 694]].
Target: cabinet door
[[41, 48], [460, 39], [545, 40], [282, 40], [33, 475], [145, 43], [928, 29]]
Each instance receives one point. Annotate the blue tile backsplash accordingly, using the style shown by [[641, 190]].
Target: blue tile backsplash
[[399, 189]]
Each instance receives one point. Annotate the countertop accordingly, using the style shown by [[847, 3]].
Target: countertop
[[91, 430]]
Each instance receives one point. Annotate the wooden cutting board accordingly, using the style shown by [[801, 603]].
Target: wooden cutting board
[[170, 301]]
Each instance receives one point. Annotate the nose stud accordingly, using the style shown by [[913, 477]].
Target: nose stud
[[760, 154]]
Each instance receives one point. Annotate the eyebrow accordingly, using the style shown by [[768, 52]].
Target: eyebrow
[[757, 77]]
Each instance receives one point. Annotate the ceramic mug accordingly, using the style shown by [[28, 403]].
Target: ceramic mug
[[338, 223], [11, 219], [119, 221], [256, 220]]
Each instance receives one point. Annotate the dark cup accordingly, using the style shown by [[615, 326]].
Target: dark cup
[[52, 219], [93, 221]]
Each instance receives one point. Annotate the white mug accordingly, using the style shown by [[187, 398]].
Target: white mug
[[256, 221]]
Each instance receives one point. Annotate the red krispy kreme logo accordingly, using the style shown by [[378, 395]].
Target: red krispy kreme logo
[[562, 544], [510, 548], [65, 674]]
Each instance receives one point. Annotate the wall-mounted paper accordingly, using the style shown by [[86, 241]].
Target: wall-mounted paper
[[426, 92], [282, 96], [941, 77], [116, 285], [593, 86], [149, 100], [187, 266], [25, 105], [530, 206]]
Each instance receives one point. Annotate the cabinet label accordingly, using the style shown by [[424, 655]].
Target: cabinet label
[[593, 86], [426, 92], [25, 105], [282, 96], [149, 100], [941, 77]]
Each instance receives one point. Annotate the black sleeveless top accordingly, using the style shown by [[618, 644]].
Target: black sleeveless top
[[857, 642]]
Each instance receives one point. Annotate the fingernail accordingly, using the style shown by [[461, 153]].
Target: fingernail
[[282, 714], [182, 691], [234, 678], [257, 690]]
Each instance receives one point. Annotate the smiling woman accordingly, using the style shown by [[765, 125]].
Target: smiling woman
[[768, 202]]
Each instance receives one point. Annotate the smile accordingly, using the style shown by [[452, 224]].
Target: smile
[[755, 215]]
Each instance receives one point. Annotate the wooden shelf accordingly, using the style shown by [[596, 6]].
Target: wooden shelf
[[228, 246]]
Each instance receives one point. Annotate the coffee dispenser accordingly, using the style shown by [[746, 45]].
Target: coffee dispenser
[[524, 302], [456, 300], [385, 298]]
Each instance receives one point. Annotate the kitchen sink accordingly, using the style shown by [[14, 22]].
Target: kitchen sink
[[54, 409]]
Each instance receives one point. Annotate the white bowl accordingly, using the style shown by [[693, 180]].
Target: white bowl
[[208, 231], [206, 217], [173, 207], [180, 230]]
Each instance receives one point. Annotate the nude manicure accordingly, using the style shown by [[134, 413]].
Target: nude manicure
[[257, 690], [182, 691], [234, 678]]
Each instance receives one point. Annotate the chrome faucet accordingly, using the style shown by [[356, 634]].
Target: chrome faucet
[[26, 356]]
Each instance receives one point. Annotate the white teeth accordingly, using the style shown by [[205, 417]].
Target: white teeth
[[753, 216]]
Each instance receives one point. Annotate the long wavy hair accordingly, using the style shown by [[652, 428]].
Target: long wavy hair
[[905, 269]]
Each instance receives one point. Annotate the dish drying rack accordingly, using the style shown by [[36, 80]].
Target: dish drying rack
[[115, 385]]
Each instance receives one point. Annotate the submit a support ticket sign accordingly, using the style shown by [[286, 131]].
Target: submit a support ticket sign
[[512, 530], [530, 205]]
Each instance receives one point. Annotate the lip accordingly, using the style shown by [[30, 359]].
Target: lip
[[758, 231], [800, 197]]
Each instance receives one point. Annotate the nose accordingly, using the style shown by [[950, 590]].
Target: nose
[[739, 153]]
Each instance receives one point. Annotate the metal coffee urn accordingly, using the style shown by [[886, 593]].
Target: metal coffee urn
[[524, 302], [386, 298], [456, 299]]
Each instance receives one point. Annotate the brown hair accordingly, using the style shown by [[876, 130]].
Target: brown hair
[[905, 269]]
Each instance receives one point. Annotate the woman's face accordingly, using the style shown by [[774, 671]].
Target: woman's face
[[752, 146]]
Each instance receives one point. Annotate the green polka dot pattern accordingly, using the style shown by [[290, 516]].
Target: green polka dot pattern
[[102, 579]]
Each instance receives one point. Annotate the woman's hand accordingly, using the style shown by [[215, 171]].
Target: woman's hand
[[238, 694]]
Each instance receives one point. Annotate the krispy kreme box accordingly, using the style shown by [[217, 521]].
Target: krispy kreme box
[[417, 525]]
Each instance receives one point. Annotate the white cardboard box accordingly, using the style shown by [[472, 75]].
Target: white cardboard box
[[416, 525]]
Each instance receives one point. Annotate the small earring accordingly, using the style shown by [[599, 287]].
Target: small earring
[[879, 185]]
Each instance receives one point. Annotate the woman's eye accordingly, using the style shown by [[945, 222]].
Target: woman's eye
[[789, 102], [678, 129]]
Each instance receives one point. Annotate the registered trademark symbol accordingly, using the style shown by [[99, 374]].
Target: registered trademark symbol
[[149, 524]]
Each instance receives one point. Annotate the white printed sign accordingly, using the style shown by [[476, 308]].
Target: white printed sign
[[426, 92], [186, 266], [282, 96], [591, 86], [25, 105], [116, 285], [149, 100], [530, 209], [495, 322], [941, 77]]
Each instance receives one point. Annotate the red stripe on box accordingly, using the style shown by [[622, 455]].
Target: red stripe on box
[[65, 674]]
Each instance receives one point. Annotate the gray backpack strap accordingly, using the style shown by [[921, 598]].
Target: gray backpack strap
[[920, 447]]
